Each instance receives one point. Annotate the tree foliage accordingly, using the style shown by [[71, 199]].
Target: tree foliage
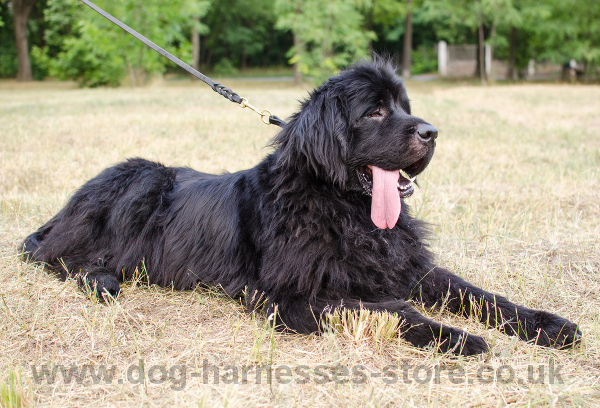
[[553, 30], [80, 44], [8, 51], [71, 41], [242, 33], [568, 29], [331, 34]]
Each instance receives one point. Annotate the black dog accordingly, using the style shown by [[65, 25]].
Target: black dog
[[318, 225]]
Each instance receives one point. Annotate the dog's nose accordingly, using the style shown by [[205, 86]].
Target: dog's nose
[[426, 133]]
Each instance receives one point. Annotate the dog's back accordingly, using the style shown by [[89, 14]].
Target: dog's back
[[117, 221]]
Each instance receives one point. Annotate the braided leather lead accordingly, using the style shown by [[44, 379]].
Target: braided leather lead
[[226, 92]]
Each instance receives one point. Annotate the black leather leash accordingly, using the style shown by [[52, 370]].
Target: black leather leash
[[266, 116]]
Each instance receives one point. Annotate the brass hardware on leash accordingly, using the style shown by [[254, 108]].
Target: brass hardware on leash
[[265, 113]]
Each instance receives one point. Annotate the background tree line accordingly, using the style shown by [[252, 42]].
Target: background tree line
[[67, 40]]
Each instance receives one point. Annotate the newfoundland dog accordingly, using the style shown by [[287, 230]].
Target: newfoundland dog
[[317, 226]]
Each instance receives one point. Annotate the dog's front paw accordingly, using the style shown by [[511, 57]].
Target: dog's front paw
[[102, 285], [551, 330], [461, 343]]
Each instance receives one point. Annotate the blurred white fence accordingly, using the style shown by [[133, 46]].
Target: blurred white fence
[[460, 60]]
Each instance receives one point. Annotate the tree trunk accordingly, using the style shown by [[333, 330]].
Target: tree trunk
[[492, 38], [481, 53], [481, 41], [407, 50], [298, 48], [203, 47], [244, 62], [268, 48], [209, 58], [326, 47], [195, 46], [369, 27], [513, 53], [21, 10]]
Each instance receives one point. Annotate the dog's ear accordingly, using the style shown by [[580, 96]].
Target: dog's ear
[[317, 137]]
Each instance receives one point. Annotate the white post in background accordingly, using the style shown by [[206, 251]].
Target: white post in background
[[443, 58], [488, 61], [530, 69]]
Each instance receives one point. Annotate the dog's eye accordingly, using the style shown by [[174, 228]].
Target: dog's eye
[[376, 114]]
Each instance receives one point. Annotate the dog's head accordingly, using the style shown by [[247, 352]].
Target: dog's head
[[357, 132]]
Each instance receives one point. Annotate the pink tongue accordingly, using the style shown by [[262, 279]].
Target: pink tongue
[[385, 205]]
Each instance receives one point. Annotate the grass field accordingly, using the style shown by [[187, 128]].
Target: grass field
[[512, 196]]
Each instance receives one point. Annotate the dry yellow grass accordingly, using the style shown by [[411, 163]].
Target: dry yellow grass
[[512, 195]]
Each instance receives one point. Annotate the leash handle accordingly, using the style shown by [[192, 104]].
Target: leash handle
[[216, 86]]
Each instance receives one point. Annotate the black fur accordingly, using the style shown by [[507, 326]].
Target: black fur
[[295, 229]]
